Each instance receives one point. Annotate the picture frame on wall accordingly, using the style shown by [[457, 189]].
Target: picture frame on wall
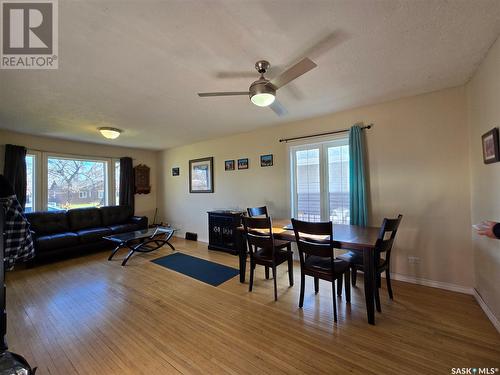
[[491, 152], [266, 160], [201, 175], [229, 165], [176, 171], [243, 163]]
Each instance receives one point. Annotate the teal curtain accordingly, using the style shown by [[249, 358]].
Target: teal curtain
[[357, 182]]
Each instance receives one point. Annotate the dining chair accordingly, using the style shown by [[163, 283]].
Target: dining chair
[[265, 250], [383, 245], [317, 258], [257, 211]]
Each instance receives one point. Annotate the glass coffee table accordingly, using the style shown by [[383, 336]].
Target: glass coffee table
[[141, 241]]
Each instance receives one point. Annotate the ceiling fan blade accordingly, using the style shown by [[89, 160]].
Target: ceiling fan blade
[[226, 93], [278, 108], [302, 67]]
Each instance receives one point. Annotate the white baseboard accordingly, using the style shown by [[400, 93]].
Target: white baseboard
[[487, 311], [432, 283]]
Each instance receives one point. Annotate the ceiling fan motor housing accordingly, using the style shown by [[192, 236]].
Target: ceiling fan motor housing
[[262, 88]]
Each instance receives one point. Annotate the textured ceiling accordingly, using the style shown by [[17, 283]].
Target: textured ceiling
[[137, 65]]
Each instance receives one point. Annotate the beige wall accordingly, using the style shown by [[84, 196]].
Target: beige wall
[[483, 99], [418, 166], [145, 204]]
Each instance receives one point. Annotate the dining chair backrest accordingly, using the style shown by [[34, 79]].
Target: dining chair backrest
[[259, 233], [386, 236], [314, 239], [257, 211]]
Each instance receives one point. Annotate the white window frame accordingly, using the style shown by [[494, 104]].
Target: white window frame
[[42, 159], [36, 198], [322, 145]]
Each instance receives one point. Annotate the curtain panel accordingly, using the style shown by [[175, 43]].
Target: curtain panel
[[14, 170], [127, 186], [357, 181]]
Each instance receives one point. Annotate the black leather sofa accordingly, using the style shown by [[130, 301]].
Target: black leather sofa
[[57, 233]]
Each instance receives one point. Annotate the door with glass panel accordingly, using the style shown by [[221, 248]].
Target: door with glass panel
[[320, 181]]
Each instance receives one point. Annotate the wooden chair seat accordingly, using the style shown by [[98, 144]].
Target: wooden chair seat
[[323, 265], [266, 256]]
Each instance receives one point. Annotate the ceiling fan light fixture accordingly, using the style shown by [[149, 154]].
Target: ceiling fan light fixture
[[262, 94], [110, 133]]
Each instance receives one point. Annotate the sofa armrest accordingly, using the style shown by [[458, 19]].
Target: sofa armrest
[[142, 221]]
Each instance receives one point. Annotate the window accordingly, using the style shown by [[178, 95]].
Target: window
[[30, 183], [320, 181], [70, 182], [100, 194], [117, 181]]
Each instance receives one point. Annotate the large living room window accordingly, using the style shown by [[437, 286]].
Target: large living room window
[[320, 181], [74, 183]]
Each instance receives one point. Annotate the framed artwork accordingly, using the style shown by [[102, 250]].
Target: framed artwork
[[242, 163], [141, 176], [201, 175], [176, 171], [266, 160], [229, 165], [491, 152]]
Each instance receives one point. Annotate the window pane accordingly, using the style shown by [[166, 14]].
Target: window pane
[[308, 185], [75, 183], [338, 184], [117, 182], [30, 180]]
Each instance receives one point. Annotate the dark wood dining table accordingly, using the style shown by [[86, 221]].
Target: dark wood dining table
[[347, 237]]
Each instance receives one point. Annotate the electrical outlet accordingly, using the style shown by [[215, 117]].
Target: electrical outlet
[[413, 260]]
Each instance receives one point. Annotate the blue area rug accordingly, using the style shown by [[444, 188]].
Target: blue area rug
[[199, 269]]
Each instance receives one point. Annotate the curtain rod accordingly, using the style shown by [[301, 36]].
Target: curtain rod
[[56, 153], [321, 134]]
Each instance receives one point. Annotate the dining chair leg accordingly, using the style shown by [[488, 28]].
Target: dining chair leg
[[334, 302], [354, 274], [302, 286], [339, 287], [252, 269], [388, 279], [275, 284], [316, 285], [379, 280], [347, 276], [267, 273], [290, 269], [377, 300]]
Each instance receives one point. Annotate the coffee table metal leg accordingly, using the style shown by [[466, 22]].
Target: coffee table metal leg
[[115, 251], [130, 253]]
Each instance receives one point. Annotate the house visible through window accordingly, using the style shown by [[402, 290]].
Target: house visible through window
[[320, 181]]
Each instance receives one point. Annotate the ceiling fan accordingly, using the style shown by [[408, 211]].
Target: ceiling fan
[[263, 91]]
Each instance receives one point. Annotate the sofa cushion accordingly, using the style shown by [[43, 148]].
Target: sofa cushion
[[48, 222], [56, 241], [112, 215], [122, 228], [82, 218], [93, 234]]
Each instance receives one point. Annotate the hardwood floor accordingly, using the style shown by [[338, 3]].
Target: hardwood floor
[[90, 316]]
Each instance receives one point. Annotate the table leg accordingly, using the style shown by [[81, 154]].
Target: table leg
[[130, 253], [369, 274], [115, 251]]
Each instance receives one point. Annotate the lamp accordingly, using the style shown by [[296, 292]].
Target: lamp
[[110, 133], [262, 93]]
